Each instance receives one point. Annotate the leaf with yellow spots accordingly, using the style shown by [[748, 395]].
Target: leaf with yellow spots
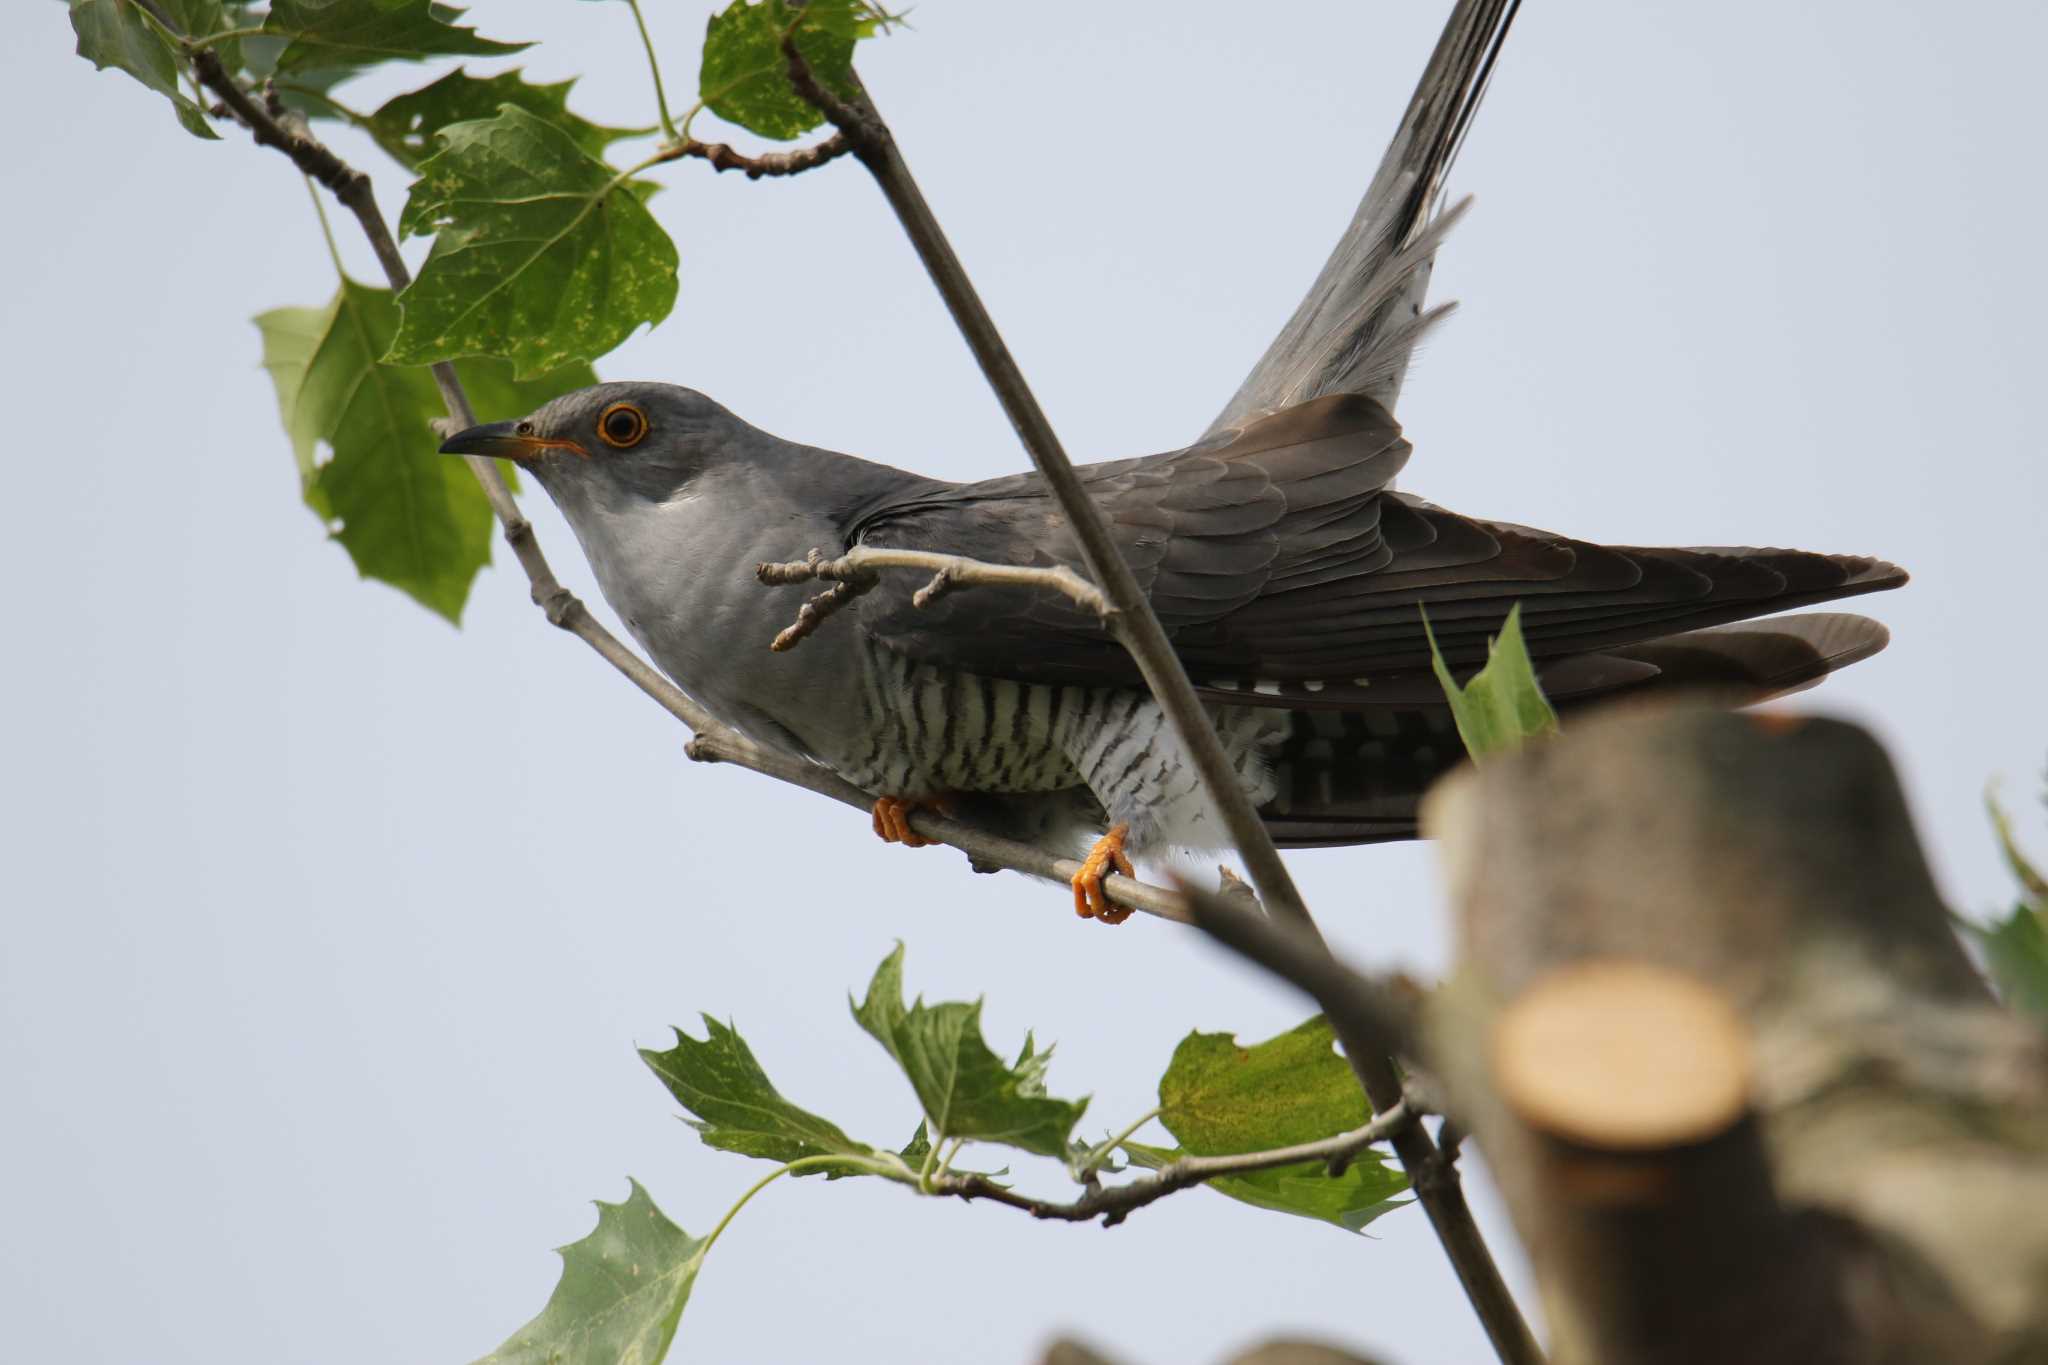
[[744, 78], [543, 255], [1220, 1098], [409, 126]]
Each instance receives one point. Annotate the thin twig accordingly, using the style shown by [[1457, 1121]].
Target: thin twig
[[1131, 617], [814, 613], [714, 741], [724, 157], [858, 570], [1113, 1203]]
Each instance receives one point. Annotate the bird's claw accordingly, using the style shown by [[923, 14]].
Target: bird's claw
[[1090, 900], [892, 823]]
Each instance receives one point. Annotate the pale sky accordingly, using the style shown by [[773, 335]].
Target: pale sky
[[331, 930]]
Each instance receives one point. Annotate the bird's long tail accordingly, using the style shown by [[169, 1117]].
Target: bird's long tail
[[1364, 314], [1357, 776]]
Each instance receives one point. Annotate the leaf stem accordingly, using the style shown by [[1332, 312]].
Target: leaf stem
[[201, 44], [326, 228], [689, 117], [805, 1163], [1097, 1153], [668, 126], [349, 115], [163, 29]]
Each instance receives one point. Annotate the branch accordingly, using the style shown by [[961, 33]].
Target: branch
[[1113, 1203], [714, 741], [724, 157], [1137, 628], [1373, 1019], [856, 571]]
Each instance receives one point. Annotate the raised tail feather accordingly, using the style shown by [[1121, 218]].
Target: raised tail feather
[[1363, 315]]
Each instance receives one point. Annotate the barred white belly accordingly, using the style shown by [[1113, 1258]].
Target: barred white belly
[[930, 731]]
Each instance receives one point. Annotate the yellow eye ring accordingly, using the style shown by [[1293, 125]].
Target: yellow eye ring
[[622, 425]]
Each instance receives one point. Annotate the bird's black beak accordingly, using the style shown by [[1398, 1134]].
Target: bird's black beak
[[505, 441], [492, 438]]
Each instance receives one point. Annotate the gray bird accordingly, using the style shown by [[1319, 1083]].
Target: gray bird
[[1286, 568]]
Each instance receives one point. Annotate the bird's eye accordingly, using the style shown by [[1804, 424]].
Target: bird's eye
[[524, 429], [622, 425]]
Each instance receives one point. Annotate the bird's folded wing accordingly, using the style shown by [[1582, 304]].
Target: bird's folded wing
[[1285, 571]]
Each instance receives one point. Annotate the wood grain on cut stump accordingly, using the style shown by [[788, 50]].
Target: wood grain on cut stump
[[1622, 1056]]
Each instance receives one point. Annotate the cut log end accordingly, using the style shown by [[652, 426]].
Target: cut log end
[[1623, 1056]]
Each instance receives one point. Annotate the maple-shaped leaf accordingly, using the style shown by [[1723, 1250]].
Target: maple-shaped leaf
[[543, 255], [744, 78], [967, 1091], [735, 1108], [348, 35], [407, 514], [622, 1292]]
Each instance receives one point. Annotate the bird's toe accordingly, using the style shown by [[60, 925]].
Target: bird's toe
[[892, 823], [1091, 901]]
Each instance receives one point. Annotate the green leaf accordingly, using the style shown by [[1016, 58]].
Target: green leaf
[[115, 33], [1502, 705], [965, 1089], [622, 1291], [542, 255], [2016, 947], [2016, 954], [291, 337], [2033, 886], [745, 77], [407, 515], [351, 34], [737, 1110], [407, 126], [1220, 1099], [1351, 1201]]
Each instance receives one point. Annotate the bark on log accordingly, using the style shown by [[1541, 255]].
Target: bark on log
[[1744, 1092]]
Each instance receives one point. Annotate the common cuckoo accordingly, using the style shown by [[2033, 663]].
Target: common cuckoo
[[1289, 573]]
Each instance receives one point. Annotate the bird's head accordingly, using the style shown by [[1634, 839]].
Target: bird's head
[[631, 438]]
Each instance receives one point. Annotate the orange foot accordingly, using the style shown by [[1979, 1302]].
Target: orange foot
[[892, 823], [1090, 900]]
